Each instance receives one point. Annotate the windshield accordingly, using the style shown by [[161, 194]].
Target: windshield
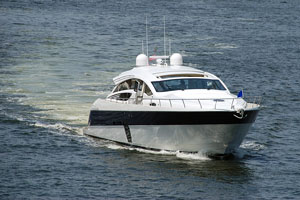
[[187, 84]]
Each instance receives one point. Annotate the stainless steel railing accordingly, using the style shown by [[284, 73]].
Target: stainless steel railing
[[215, 103]]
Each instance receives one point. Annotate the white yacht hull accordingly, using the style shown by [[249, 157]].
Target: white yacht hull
[[212, 131], [206, 138]]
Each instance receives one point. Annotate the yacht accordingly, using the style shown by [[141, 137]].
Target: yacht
[[165, 105]]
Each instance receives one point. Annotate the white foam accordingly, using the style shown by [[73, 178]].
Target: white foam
[[192, 156], [60, 127], [225, 46], [15, 117], [115, 146], [252, 145], [178, 154], [161, 152]]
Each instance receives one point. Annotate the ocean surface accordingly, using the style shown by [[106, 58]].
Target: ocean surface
[[57, 57]]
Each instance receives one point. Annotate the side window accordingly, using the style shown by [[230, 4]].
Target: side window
[[147, 90]]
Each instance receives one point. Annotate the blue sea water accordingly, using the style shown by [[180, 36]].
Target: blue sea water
[[57, 57]]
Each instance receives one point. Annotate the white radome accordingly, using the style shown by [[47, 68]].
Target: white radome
[[176, 59], [141, 60]]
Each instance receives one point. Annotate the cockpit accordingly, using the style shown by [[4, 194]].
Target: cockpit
[[134, 89]]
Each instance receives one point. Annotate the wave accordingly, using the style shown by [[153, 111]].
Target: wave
[[11, 116], [225, 46], [212, 53], [252, 145], [59, 127], [248, 148], [192, 156], [178, 154]]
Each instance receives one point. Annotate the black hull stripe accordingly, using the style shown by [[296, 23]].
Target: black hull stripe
[[136, 146], [102, 118]]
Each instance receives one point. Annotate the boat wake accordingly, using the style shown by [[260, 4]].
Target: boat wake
[[64, 129], [241, 153], [178, 154], [53, 127]]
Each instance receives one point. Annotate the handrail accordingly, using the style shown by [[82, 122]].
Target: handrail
[[251, 102]]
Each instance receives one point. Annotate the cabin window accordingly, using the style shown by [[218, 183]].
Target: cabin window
[[187, 84], [133, 84], [147, 90]]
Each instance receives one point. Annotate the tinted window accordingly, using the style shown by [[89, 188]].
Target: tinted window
[[187, 84]]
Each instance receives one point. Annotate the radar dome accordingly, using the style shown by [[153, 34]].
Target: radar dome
[[141, 60], [176, 59]]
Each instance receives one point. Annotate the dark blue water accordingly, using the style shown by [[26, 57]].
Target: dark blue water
[[57, 57]]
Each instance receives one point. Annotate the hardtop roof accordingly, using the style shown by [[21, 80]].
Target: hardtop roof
[[153, 73]]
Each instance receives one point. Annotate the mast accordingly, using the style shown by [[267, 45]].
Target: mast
[[165, 39], [169, 47], [147, 39]]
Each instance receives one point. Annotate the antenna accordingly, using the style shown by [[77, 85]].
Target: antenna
[[165, 38], [169, 47], [147, 38], [143, 47]]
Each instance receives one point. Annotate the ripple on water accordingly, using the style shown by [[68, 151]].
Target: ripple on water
[[57, 58]]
